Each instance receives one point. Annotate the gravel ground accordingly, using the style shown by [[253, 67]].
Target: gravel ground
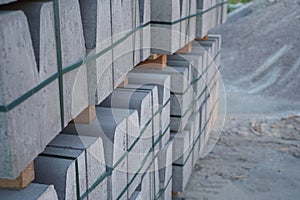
[[252, 160], [258, 153]]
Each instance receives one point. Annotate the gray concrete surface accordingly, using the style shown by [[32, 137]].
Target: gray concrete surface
[[32, 192]]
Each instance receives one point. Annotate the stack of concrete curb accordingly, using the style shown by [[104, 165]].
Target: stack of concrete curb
[[68, 56], [214, 12], [192, 139]]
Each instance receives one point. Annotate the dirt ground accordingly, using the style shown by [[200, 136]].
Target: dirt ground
[[258, 153]]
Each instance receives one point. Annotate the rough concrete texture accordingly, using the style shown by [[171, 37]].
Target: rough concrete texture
[[145, 34], [181, 175], [178, 123], [88, 152], [181, 146], [156, 114], [96, 20], [188, 26], [210, 19], [140, 101], [165, 160], [165, 38], [91, 160], [41, 25], [115, 145], [111, 125], [73, 49], [179, 76], [163, 84], [122, 23], [20, 144], [63, 177], [32, 192], [180, 103]]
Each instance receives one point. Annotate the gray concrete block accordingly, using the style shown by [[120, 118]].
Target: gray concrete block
[[162, 81], [73, 48], [179, 76], [6, 1], [63, 177], [156, 114], [192, 21], [184, 25], [122, 23], [85, 153], [181, 146], [32, 192], [113, 126], [96, 20], [41, 25], [181, 176], [145, 190], [163, 84], [193, 128], [180, 103], [90, 160], [203, 21], [20, 144], [165, 160], [165, 38], [179, 122], [145, 33]]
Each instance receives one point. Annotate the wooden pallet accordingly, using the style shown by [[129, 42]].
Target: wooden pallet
[[155, 61], [23, 180], [186, 49]]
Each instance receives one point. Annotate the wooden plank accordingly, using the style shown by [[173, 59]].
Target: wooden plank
[[24, 179], [159, 63], [124, 83], [202, 39], [86, 116], [154, 56], [186, 49], [175, 194]]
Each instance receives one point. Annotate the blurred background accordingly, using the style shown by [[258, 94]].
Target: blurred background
[[258, 155]]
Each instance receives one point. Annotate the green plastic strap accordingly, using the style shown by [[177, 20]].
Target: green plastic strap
[[142, 165], [190, 16], [162, 191], [205, 70], [197, 139], [181, 93], [30, 93], [89, 58], [59, 60], [109, 171]]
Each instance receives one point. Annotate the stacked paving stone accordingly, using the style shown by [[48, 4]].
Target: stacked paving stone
[[191, 138], [61, 57]]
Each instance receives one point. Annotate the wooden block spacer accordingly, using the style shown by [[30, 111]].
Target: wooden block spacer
[[23, 180], [86, 116], [159, 63], [202, 39], [124, 83], [175, 194], [186, 49]]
